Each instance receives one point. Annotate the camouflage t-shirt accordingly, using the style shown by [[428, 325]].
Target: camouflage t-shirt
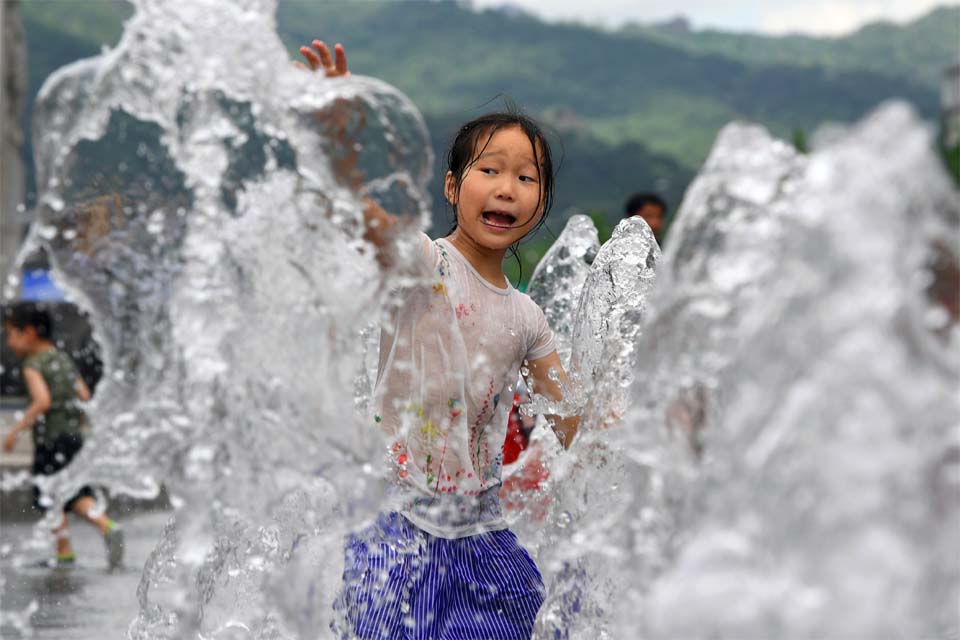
[[64, 416]]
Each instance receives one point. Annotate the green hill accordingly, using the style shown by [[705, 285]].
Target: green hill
[[617, 86], [636, 109], [918, 50]]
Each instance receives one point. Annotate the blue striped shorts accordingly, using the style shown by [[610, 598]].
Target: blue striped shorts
[[403, 583]]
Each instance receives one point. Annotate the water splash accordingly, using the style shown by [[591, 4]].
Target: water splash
[[786, 464], [795, 410], [559, 276], [577, 546], [789, 460], [195, 195]]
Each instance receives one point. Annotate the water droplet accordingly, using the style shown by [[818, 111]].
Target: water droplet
[[47, 232], [155, 225], [54, 202]]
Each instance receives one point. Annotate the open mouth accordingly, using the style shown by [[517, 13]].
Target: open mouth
[[499, 219]]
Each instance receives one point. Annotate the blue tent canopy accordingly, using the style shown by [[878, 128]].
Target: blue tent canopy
[[37, 285]]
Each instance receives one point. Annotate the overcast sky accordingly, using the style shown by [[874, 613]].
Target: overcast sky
[[814, 17]]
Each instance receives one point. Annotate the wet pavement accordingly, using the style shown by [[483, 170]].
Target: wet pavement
[[85, 602]]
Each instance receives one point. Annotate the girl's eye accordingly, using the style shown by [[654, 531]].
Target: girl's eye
[[488, 171], [528, 179]]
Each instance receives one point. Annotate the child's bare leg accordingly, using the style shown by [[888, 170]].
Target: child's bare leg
[[85, 507], [64, 549]]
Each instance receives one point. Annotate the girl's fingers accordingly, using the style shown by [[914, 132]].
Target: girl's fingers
[[311, 57], [341, 59], [325, 58], [318, 55]]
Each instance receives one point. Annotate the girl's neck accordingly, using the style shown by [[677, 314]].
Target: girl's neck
[[40, 346], [488, 262]]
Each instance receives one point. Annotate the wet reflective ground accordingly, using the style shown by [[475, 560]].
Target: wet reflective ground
[[85, 602]]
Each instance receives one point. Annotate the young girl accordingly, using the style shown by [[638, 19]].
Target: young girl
[[440, 562]]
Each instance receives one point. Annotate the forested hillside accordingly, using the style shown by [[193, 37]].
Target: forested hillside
[[635, 109]]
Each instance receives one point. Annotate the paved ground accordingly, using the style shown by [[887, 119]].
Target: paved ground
[[86, 602]]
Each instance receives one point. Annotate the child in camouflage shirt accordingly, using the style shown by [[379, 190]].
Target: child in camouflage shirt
[[55, 420]]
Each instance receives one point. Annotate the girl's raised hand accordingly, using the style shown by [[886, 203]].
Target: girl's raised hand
[[319, 57]]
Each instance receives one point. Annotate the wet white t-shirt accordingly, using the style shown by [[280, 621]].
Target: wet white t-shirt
[[448, 366]]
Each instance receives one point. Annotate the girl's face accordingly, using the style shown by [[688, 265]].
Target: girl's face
[[500, 197], [19, 340]]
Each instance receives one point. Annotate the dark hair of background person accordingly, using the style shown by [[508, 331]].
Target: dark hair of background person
[[30, 314], [66, 326], [638, 200]]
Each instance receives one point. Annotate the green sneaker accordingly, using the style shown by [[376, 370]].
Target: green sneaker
[[66, 561], [113, 539]]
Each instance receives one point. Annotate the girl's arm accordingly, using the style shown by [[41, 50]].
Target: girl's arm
[[83, 391], [377, 221], [39, 405], [565, 428]]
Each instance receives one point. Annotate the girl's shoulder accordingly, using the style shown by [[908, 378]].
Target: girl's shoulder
[[417, 252], [46, 359], [38, 361], [539, 335], [527, 302], [530, 311], [430, 251]]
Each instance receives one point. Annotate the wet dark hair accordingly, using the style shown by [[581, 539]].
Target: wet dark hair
[[29, 314], [635, 202], [474, 136]]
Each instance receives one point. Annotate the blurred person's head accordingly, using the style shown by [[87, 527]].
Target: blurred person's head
[[28, 326], [649, 206]]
